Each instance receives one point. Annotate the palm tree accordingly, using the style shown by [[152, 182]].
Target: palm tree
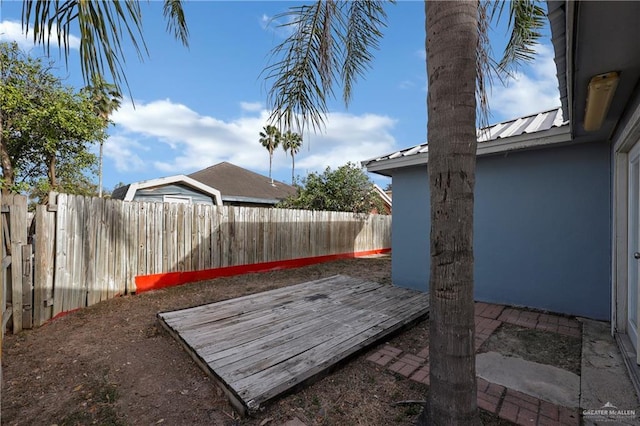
[[334, 39], [106, 99], [292, 142], [270, 139]]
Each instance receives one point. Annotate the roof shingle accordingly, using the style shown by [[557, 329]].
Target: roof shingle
[[234, 181]]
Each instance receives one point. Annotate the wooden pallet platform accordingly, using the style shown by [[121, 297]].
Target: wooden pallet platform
[[261, 345]]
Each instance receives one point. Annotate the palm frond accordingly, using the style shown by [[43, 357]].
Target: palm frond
[[299, 92], [483, 66], [330, 42], [363, 32], [526, 19], [176, 20], [102, 26]]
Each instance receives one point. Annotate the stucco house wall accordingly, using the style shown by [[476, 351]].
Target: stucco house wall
[[542, 229]]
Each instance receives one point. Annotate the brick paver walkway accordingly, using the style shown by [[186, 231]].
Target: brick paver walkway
[[508, 404]]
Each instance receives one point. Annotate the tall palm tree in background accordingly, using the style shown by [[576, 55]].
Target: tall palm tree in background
[[106, 99], [291, 143], [270, 138], [334, 40]]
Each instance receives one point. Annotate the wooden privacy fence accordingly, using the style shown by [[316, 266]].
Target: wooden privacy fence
[[91, 249]]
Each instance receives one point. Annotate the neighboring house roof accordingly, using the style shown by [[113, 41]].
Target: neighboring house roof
[[543, 128], [127, 192], [242, 185]]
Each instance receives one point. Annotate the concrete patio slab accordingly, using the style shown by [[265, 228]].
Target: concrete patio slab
[[606, 392], [544, 382]]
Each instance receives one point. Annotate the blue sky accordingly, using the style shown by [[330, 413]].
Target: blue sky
[[197, 106]]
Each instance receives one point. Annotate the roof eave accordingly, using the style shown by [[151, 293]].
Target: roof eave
[[175, 179], [552, 136]]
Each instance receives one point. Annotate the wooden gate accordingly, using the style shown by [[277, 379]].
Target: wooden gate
[[17, 264]]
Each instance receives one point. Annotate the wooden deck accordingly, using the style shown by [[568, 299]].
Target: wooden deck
[[261, 345]]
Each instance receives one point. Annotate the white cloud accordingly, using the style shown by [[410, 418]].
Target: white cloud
[[12, 31], [251, 106], [532, 89], [122, 151], [197, 141], [347, 137]]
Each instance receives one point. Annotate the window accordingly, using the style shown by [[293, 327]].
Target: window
[[182, 199]]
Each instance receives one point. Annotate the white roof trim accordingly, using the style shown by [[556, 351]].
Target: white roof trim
[[131, 192], [383, 194], [552, 136]]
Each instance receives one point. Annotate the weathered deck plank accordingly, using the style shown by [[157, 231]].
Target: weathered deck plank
[[261, 345]]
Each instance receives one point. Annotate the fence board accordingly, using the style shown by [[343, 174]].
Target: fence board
[[149, 240], [61, 288], [141, 229], [132, 227], [103, 256], [44, 265], [208, 236], [180, 237], [18, 237], [89, 252], [159, 226], [188, 247], [79, 256], [119, 247], [16, 286]]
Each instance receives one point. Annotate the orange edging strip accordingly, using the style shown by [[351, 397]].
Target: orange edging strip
[[170, 279]]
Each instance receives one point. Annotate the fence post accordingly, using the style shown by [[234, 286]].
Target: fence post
[[18, 230]]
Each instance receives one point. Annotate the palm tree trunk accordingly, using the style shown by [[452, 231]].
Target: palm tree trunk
[[270, 162], [293, 167], [452, 37]]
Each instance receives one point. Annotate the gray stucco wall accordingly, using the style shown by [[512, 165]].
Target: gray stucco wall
[[156, 195], [542, 229]]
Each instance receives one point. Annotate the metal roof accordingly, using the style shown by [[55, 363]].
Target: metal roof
[[528, 125]]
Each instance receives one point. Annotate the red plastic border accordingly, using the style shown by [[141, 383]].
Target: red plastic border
[[170, 279]]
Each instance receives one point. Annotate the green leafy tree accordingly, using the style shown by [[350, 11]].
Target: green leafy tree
[[47, 129], [291, 143], [346, 189], [270, 139], [332, 42], [20, 76]]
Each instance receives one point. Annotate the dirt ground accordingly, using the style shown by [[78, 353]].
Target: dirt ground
[[113, 364]]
